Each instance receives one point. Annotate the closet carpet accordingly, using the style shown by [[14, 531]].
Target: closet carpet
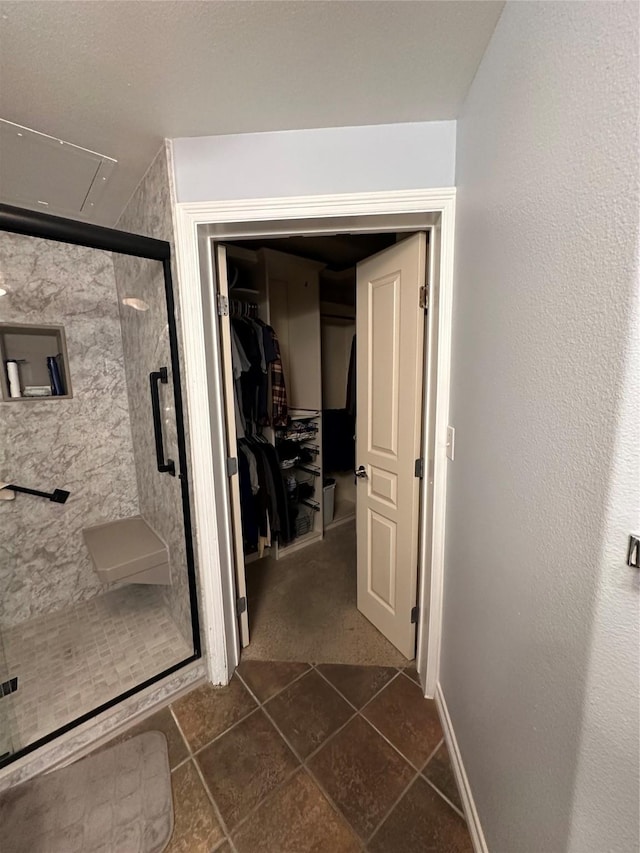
[[303, 607]]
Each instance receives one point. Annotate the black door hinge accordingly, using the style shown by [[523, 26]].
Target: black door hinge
[[241, 605], [419, 468], [8, 687], [424, 297], [232, 466], [415, 612]]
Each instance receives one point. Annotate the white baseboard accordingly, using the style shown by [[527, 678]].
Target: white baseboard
[[473, 821]]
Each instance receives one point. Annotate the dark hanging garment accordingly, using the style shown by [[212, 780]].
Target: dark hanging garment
[[270, 487], [338, 443], [264, 499], [351, 381], [248, 507], [280, 492], [251, 379]]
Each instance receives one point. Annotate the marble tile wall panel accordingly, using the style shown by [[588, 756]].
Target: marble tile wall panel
[[145, 338], [83, 444]]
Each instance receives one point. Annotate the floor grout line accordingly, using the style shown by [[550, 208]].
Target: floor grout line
[[336, 808], [303, 763], [305, 767], [191, 757], [248, 714], [388, 813], [211, 798], [391, 744], [282, 689], [417, 770], [179, 727], [377, 693], [271, 794], [226, 731], [341, 695], [444, 797], [426, 764], [181, 763]]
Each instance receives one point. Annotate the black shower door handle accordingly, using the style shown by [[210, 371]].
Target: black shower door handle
[[165, 467]]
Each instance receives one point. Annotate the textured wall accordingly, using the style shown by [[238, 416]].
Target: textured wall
[[540, 642], [83, 445], [145, 339]]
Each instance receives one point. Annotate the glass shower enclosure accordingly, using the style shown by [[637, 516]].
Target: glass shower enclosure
[[97, 581]]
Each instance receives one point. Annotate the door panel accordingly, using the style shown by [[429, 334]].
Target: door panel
[[383, 344], [382, 561], [390, 332], [232, 444]]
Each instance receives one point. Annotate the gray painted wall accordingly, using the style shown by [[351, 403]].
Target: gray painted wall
[[540, 638], [83, 445], [308, 162]]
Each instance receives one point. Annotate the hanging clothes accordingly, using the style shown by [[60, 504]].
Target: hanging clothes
[[263, 495], [260, 399], [248, 507], [239, 364], [252, 376], [257, 364], [279, 410], [253, 468], [284, 526]]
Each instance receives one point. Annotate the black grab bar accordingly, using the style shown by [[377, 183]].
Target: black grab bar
[[165, 467], [58, 496]]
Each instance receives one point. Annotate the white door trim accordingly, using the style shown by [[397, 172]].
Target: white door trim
[[203, 378]]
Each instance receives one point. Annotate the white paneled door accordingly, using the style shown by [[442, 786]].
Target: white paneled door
[[389, 353]]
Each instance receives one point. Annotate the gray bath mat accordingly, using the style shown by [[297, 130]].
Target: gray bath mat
[[116, 801]]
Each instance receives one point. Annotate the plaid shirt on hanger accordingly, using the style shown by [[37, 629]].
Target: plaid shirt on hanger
[[278, 388]]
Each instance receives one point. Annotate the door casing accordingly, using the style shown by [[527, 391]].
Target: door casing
[[197, 224]]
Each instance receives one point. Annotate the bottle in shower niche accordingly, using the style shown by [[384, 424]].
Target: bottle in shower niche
[[57, 388], [13, 378]]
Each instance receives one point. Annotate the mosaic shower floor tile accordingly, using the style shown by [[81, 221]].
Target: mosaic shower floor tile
[[72, 661]]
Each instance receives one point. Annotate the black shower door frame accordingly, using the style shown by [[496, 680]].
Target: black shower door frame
[[35, 224]]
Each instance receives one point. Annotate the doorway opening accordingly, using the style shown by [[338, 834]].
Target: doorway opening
[[323, 362]]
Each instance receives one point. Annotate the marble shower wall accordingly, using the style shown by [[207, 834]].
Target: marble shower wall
[[145, 339], [83, 444]]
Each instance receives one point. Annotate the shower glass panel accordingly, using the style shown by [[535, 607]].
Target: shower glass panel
[[7, 716], [97, 595]]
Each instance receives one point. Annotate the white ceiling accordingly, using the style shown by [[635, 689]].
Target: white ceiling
[[117, 77]]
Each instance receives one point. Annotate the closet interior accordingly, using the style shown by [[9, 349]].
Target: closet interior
[[292, 322], [294, 396]]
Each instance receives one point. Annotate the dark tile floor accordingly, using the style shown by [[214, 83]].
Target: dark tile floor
[[292, 757]]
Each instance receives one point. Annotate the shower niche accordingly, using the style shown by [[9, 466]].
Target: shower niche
[[35, 363]]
